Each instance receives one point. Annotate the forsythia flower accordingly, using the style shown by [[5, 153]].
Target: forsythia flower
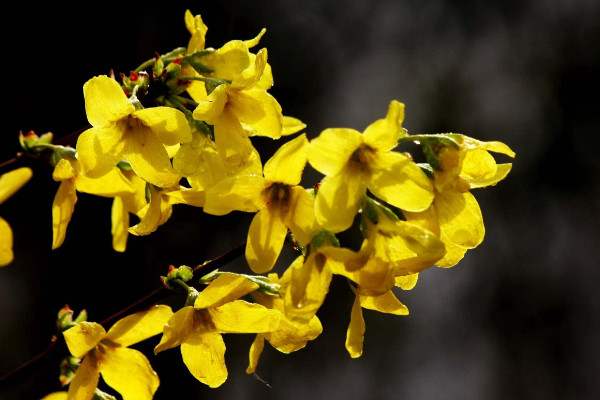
[[10, 182], [455, 214], [197, 329], [119, 131], [113, 184], [353, 162], [288, 337], [280, 202], [107, 353]]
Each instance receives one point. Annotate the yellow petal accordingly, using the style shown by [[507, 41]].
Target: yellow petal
[[356, 331], [226, 288], [105, 101], [407, 282], [210, 108], [469, 143], [229, 61], [12, 181], [119, 225], [62, 210], [460, 218], [255, 351], [152, 218], [288, 162], [478, 164], [242, 317], [242, 193], [265, 239], [254, 42], [301, 217], [168, 124], [385, 303], [139, 326], [112, 184], [383, 134], [502, 171], [149, 158], [100, 149], [291, 337], [186, 196], [128, 372], [6, 243], [56, 396], [454, 254], [308, 287], [176, 329], [258, 111], [291, 125], [83, 337], [85, 380], [204, 354], [412, 249], [65, 169], [231, 140], [399, 181], [197, 29], [330, 151], [339, 198], [251, 75]]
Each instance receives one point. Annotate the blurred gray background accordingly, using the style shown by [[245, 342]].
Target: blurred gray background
[[518, 318]]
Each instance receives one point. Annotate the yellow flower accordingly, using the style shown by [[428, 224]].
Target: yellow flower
[[113, 184], [353, 162], [386, 303], [119, 131], [56, 396], [125, 370], [280, 202], [455, 215], [10, 182], [198, 329], [289, 336]]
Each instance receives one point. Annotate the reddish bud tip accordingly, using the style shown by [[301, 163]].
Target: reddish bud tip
[[177, 62], [30, 134], [171, 268], [133, 76], [65, 308], [156, 56], [316, 187]]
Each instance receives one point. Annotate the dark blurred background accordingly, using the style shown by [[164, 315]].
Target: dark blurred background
[[517, 318]]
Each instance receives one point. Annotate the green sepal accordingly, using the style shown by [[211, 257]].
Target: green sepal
[[65, 319], [446, 139], [430, 156], [124, 166], [318, 240], [68, 366], [182, 273], [147, 193], [30, 141], [369, 210], [428, 169], [264, 283], [100, 395], [331, 239], [198, 66]]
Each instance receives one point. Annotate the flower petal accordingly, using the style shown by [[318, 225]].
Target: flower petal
[[210, 108], [56, 396], [356, 331], [407, 282], [105, 101], [119, 365], [150, 221], [460, 218], [84, 382], [6, 243], [242, 317], [197, 29], [62, 210], [330, 151], [168, 124], [288, 162], [204, 354], [301, 216], [502, 171], [339, 198], [251, 75], [383, 134], [100, 149], [291, 125], [255, 351], [265, 239], [139, 326], [242, 193], [119, 225], [177, 328], [385, 303], [231, 140], [83, 337], [112, 184], [399, 181], [226, 288], [258, 112], [149, 159], [12, 181], [229, 61]]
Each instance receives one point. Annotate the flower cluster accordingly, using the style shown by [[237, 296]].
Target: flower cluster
[[178, 130]]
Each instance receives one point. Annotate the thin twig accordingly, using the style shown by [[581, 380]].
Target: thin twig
[[151, 297]]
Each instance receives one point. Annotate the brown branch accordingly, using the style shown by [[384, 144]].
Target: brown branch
[[150, 298]]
